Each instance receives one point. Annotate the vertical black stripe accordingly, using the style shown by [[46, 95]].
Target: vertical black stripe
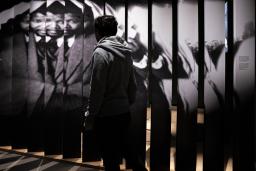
[[126, 19], [229, 115], [174, 52], [104, 7], [201, 54], [149, 50]]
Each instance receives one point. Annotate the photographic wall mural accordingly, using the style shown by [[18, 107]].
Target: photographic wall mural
[[46, 49]]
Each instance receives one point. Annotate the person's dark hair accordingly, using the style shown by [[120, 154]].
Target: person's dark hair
[[56, 8], [73, 8], [106, 25], [42, 9]]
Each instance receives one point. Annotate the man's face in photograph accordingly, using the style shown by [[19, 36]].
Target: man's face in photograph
[[72, 24], [54, 24], [24, 23], [37, 24]]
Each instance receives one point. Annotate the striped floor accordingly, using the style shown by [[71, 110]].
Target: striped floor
[[16, 162]]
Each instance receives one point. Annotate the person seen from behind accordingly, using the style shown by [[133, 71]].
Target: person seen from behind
[[112, 92]]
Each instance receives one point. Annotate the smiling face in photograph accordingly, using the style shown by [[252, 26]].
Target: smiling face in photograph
[[37, 24], [54, 24]]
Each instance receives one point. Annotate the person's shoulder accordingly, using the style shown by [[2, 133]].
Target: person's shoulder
[[99, 51], [100, 54]]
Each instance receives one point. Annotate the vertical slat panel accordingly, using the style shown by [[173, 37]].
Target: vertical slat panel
[[138, 41], [214, 82], [201, 88], [53, 94], [174, 79], [161, 85], [90, 149], [36, 70], [244, 82], [73, 68], [229, 111], [6, 54], [201, 37], [19, 75], [187, 84]]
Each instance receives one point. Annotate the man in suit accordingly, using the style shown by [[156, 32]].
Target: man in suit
[[73, 70], [36, 70], [54, 52]]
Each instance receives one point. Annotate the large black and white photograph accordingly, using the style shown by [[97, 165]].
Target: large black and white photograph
[[189, 96]]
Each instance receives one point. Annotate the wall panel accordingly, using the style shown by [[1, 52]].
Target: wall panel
[[187, 84], [36, 73], [19, 75], [138, 41], [92, 9], [161, 85], [214, 82], [244, 82], [6, 54]]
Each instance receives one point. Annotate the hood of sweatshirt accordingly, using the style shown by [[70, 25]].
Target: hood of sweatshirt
[[115, 45]]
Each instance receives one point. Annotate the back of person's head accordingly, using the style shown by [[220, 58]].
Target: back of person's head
[[105, 26]]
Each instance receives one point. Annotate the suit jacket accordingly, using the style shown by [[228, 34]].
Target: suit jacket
[[5, 75], [80, 54], [89, 45], [54, 80], [78, 63], [19, 73], [35, 77]]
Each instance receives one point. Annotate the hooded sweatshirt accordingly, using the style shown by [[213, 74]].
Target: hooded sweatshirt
[[113, 85]]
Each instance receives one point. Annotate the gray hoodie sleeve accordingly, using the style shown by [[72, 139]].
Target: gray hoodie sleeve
[[98, 83]]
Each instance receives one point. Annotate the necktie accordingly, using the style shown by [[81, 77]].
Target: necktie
[[66, 49], [52, 49], [66, 54], [40, 49], [51, 56]]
